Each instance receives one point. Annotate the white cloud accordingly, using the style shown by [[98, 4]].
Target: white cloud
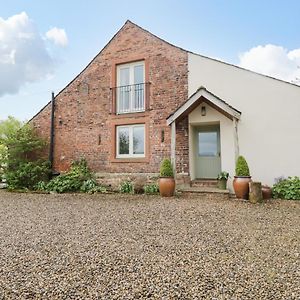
[[58, 36], [274, 61], [24, 57]]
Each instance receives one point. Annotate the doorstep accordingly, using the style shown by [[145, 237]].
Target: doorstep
[[210, 192]]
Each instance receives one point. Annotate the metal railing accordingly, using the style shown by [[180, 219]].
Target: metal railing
[[130, 98]]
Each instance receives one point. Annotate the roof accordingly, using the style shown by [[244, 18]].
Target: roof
[[200, 96], [148, 32]]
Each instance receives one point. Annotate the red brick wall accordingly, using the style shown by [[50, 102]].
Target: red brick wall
[[83, 109]]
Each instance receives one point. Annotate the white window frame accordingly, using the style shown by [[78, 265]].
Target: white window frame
[[131, 154], [131, 82]]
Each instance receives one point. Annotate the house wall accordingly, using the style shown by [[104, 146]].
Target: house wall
[[270, 123], [84, 119]]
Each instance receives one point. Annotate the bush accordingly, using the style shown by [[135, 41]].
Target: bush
[[27, 175], [151, 189], [241, 167], [166, 169], [22, 149], [72, 181], [288, 188], [90, 186], [79, 178], [126, 187]]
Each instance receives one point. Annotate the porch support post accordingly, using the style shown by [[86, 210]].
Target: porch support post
[[173, 146], [236, 139]]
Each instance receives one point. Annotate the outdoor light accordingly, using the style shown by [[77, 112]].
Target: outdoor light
[[203, 111]]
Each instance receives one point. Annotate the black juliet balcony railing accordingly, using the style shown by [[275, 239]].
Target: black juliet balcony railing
[[130, 98]]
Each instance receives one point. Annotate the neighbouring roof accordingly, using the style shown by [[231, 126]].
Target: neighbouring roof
[[200, 96]]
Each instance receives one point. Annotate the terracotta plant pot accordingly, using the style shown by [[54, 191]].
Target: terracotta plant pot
[[166, 186], [222, 184], [266, 192], [241, 186]]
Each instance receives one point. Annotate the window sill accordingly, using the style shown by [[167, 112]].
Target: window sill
[[130, 160], [130, 115]]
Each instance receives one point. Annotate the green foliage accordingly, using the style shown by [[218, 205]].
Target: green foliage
[[79, 178], [288, 188], [90, 186], [126, 187], [166, 169], [223, 175], [20, 159], [151, 189], [241, 167], [3, 159], [8, 128], [41, 186], [73, 180], [27, 174]]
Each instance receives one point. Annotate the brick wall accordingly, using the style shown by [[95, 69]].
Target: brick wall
[[85, 124]]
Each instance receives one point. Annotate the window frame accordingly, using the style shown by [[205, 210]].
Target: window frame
[[131, 66], [130, 128]]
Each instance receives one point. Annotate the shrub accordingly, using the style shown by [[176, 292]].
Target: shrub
[[79, 178], [27, 175], [73, 180], [166, 169], [20, 159], [241, 168], [223, 175], [151, 189], [90, 186], [288, 188], [126, 187]]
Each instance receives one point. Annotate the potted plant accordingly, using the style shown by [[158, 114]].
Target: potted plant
[[166, 180], [241, 179], [266, 192], [222, 180]]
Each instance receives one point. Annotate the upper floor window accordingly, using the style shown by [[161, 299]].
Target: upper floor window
[[130, 89]]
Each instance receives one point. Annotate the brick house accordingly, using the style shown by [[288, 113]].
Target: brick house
[[142, 99]]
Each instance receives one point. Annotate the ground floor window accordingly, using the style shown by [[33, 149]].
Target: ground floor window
[[131, 140]]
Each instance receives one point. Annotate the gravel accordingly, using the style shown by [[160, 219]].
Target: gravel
[[77, 246]]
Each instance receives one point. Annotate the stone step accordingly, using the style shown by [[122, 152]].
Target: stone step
[[210, 192], [204, 183]]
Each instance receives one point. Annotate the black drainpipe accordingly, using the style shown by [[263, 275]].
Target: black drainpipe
[[51, 146]]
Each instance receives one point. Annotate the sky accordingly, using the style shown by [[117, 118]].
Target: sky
[[45, 44]]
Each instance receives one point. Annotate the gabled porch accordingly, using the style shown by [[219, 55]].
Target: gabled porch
[[212, 130]]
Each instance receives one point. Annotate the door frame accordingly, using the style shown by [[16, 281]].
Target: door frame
[[204, 127]]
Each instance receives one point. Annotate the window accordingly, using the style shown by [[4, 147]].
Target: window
[[208, 144], [130, 89], [131, 141]]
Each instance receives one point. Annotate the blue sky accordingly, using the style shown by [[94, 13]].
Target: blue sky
[[221, 29]]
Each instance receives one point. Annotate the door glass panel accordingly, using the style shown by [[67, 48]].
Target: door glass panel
[[124, 76], [123, 136], [138, 74], [124, 91], [207, 144], [138, 140], [138, 97]]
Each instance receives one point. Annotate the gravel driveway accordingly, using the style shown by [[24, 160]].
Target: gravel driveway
[[139, 247]]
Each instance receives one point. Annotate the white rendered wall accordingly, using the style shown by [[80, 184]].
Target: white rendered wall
[[269, 129]]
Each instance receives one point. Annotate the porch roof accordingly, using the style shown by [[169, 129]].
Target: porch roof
[[200, 96]]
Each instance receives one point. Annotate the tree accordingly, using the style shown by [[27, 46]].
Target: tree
[[8, 128], [22, 164]]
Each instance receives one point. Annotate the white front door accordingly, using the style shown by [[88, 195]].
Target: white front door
[[207, 151]]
